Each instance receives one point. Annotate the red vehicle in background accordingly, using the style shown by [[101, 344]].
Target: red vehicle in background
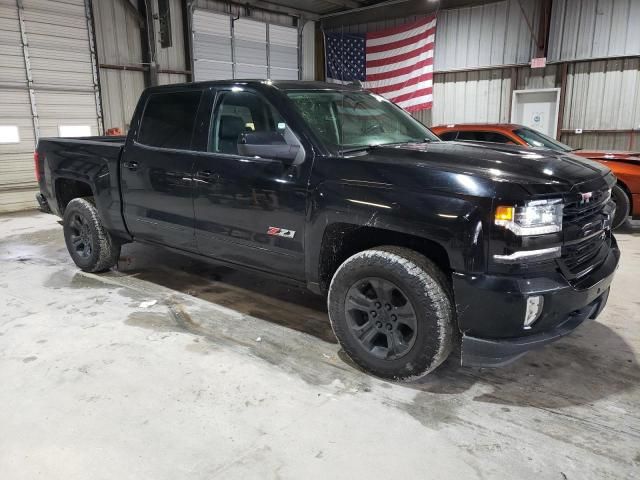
[[625, 165]]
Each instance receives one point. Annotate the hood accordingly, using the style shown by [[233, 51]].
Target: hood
[[604, 155], [501, 163]]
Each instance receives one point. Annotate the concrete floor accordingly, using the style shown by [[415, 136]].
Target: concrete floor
[[232, 376]]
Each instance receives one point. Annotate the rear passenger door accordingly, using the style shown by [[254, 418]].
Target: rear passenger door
[[156, 170]]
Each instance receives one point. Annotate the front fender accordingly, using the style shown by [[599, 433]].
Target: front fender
[[456, 222]]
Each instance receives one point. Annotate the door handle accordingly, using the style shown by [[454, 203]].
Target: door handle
[[131, 165], [207, 175]]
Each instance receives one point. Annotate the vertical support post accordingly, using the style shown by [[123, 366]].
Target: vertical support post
[[320, 53], [27, 67], [512, 86], [232, 19], [268, 28], [94, 64], [148, 44], [300, 26], [187, 13], [544, 24], [563, 94]]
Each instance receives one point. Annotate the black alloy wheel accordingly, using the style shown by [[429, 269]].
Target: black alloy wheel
[[80, 236], [381, 318]]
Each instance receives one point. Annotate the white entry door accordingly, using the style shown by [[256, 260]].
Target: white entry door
[[537, 109]]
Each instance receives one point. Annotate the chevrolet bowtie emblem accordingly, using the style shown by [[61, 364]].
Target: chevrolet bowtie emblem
[[586, 197]]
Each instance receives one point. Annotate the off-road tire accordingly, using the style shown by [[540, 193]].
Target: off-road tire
[[103, 252], [623, 206], [423, 284]]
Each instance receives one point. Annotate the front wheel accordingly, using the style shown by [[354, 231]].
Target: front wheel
[[91, 247], [392, 311], [623, 206]]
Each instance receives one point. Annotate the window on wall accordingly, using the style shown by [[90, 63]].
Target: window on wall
[[168, 119]]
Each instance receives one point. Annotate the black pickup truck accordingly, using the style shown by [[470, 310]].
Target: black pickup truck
[[418, 244]]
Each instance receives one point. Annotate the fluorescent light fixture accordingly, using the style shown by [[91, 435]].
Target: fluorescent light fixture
[[9, 134], [74, 130]]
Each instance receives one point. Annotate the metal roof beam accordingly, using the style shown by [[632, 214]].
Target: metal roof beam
[[279, 8], [345, 3]]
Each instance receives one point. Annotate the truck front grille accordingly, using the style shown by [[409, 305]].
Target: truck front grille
[[586, 234], [580, 258], [581, 208]]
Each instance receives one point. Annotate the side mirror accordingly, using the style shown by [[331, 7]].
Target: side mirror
[[266, 145]]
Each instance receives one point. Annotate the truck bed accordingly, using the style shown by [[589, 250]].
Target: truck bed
[[85, 165]]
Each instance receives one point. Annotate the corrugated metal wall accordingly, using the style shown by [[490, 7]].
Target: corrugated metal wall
[[483, 96], [603, 95], [119, 43], [486, 35], [589, 29], [48, 80], [173, 57]]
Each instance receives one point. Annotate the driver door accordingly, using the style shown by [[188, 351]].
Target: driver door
[[249, 210]]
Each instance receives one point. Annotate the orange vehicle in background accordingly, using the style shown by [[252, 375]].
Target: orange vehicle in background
[[624, 165]]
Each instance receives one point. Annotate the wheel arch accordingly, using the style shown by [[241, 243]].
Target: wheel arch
[[68, 188], [627, 192], [342, 240]]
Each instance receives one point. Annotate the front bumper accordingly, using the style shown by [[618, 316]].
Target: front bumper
[[491, 310]]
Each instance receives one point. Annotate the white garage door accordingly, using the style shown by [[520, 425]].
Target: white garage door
[[224, 49], [48, 86]]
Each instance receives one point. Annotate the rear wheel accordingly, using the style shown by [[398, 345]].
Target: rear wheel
[[623, 206], [89, 244], [393, 312]]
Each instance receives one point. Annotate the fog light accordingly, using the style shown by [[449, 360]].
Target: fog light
[[534, 309]]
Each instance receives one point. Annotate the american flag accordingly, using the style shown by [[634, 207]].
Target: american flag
[[396, 63]]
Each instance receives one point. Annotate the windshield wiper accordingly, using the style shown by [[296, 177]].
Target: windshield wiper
[[363, 148]]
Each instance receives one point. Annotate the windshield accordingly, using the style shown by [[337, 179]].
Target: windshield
[[537, 139], [347, 121]]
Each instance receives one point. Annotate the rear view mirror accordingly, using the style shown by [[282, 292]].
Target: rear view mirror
[[266, 145]]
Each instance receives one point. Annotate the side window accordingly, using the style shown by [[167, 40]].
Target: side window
[[168, 119], [448, 136], [496, 137], [468, 136], [483, 137], [243, 112]]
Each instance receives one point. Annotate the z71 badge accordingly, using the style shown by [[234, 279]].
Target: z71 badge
[[281, 232]]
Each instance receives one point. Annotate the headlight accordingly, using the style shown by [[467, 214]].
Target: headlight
[[535, 218]]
